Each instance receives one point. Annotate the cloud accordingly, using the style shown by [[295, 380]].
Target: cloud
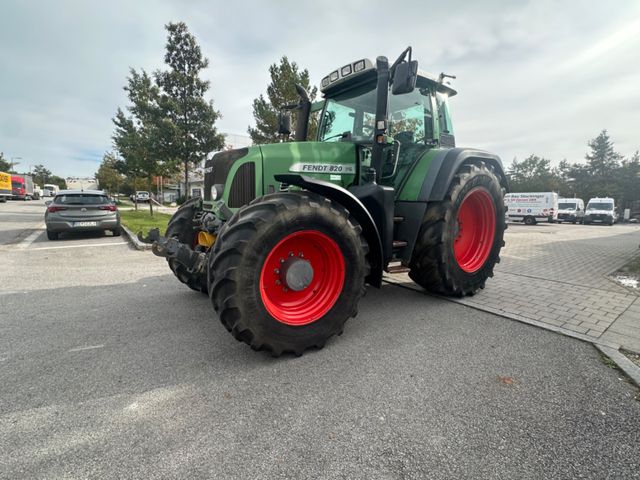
[[534, 77]]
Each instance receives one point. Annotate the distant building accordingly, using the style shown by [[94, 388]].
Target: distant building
[[233, 140], [82, 183]]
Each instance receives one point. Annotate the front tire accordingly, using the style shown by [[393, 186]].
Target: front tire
[[52, 235], [460, 239], [287, 271], [181, 227]]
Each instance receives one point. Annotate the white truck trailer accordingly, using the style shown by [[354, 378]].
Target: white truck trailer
[[531, 208]]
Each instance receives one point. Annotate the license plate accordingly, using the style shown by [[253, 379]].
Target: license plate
[[85, 224]]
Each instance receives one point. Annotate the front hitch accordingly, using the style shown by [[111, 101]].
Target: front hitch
[[193, 261]]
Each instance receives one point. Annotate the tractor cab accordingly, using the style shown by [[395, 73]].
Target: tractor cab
[[417, 120]]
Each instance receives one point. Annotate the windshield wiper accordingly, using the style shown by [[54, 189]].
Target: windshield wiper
[[342, 135]]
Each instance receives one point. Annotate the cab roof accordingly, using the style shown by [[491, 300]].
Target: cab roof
[[363, 71]]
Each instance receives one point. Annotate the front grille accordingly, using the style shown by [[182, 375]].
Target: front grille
[[217, 168], [243, 188]]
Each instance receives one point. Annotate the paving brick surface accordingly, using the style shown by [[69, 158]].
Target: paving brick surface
[[559, 275]]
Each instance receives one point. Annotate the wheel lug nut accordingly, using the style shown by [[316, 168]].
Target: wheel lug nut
[[278, 282], [301, 255], [291, 254], [282, 260], [277, 270], [285, 289]]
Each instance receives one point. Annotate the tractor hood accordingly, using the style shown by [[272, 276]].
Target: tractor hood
[[241, 175], [334, 162]]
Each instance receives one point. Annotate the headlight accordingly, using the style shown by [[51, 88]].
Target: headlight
[[217, 191]]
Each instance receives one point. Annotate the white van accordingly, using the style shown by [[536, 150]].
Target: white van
[[531, 208], [570, 210], [601, 210], [50, 190]]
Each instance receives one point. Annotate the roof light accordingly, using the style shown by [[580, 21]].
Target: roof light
[[325, 81], [346, 70], [358, 66], [334, 76]]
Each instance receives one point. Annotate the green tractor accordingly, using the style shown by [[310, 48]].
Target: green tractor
[[288, 234]]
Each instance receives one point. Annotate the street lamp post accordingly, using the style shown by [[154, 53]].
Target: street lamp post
[[12, 163]]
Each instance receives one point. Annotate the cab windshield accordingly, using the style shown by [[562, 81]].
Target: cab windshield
[[351, 115], [566, 206], [600, 206]]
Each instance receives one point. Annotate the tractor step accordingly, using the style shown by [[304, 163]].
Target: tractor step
[[398, 219], [397, 268], [399, 244]]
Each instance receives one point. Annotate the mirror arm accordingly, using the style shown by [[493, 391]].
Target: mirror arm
[[399, 60]]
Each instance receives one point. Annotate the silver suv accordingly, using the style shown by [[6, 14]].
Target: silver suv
[[81, 211]]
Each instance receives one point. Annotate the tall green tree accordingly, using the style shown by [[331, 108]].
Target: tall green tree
[[629, 180], [132, 144], [280, 92], [140, 134], [41, 174], [59, 181], [188, 132], [108, 176], [5, 166], [602, 159], [533, 174]]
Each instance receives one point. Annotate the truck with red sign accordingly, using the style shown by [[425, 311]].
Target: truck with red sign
[[21, 187], [531, 208], [5, 186]]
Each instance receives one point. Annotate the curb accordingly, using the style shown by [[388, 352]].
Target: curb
[[133, 240], [609, 349], [626, 365]]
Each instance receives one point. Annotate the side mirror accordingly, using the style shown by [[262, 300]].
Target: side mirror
[[404, 78], [284, 123], [47, 203]]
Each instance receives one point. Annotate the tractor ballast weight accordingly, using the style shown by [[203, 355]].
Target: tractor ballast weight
[[287, 235]]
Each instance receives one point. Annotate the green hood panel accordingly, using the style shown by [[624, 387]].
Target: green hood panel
[[334, 162]]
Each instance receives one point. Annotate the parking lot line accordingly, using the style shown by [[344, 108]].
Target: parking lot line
[[80, 246], [31, 238], [89, 347]]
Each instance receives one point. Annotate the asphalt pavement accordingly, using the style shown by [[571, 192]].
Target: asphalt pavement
[[110, 368]]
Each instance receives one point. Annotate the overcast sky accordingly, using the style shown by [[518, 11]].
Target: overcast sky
[[533, 76]]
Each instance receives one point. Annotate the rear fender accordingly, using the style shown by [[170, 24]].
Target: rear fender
[[355, 208], [447, 163]]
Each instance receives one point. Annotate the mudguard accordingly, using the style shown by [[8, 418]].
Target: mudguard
[[445, 165], [356, 208]]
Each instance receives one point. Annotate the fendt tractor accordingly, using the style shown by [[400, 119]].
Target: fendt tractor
[[288, 234]]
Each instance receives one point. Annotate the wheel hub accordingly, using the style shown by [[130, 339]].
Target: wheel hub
[[302, 277], [296, 273]]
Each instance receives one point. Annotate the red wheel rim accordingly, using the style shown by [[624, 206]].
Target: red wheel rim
[[476, 230], [304, 306]]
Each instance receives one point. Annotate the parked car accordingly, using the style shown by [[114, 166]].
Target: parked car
[[570, 210], [79, 211], [601, 210], [140, 196]]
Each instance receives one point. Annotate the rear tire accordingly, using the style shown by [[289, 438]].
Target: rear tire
[[249, 286], [181, 227], [52, 235], [529, 221], [455, 257], [116, 232]]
